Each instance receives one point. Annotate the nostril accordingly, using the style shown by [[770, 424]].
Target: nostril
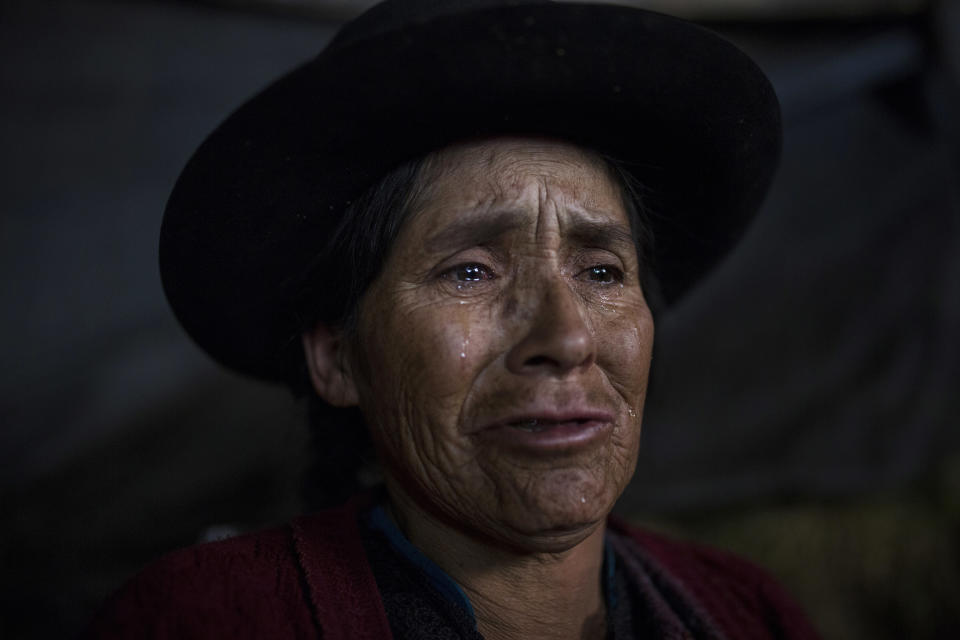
[[537, 361]]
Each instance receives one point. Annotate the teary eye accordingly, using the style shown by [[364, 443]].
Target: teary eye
[[471, 272], [604, 274]]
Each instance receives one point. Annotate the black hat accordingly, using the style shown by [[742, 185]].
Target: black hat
[[686, 112]]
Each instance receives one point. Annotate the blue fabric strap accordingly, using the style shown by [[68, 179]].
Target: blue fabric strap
[[378, 520]]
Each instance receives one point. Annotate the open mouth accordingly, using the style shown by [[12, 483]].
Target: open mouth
[[536, 425], [562, 434]]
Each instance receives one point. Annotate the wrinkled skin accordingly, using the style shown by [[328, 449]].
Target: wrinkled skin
[[518, 309]]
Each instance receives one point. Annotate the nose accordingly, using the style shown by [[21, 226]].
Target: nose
[[554, 336]]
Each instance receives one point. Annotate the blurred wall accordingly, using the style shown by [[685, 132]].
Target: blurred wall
[[824, 356], [119, 439], [820, 362]]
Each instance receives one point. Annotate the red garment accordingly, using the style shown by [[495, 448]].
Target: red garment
[[292, 582]]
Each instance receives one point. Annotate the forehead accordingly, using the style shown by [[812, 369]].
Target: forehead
[[524, 174]]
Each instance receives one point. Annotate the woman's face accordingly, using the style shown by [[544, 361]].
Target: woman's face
[[503, 352]]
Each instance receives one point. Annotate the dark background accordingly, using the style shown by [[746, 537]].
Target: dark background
[[805, 398]]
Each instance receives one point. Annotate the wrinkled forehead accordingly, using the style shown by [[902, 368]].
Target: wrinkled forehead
[[505, 172]]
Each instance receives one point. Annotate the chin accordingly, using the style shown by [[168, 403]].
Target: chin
[[555, 513]]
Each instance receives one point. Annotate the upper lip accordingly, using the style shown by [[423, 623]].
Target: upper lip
[[551, 414]]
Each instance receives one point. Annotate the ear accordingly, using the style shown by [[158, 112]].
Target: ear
[[323, 347]]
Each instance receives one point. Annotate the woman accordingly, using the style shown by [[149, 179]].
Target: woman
[[447, 221]]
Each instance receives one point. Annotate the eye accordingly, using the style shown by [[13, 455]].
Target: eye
[[470, 272], [603, 274]]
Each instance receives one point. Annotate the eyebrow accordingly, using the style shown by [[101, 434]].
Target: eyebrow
[[478, 231], [486, 230], [600, 234]]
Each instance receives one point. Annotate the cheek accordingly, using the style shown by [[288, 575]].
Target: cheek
[[419, 366], [625, 346], [433, 350]]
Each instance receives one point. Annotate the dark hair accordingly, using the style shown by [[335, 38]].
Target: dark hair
[[362, 242], [343, 460]]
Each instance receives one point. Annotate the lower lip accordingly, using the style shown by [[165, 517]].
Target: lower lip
[[555, 438]]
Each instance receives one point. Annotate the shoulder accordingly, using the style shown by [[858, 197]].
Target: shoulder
[[248, 586], [286, 582], [741, 598]]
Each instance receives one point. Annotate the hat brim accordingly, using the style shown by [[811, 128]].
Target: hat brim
[[690, 115]]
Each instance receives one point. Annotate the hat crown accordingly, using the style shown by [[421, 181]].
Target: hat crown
[[391, 15]]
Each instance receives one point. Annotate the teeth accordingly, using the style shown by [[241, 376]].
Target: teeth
[[530, 425], [536, 426]]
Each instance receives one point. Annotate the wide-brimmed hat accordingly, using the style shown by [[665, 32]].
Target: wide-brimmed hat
[[686, 112]]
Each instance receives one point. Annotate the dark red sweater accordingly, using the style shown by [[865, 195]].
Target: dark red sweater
[[312, 580]]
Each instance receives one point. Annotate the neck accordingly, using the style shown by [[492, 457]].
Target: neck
[[515, 593]]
